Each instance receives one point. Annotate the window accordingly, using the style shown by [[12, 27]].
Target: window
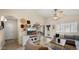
[[67, 27]]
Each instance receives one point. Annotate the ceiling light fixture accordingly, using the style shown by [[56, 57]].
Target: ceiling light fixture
[[57, 14]]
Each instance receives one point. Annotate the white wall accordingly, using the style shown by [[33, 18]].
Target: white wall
[[2, 41], [27, 14]]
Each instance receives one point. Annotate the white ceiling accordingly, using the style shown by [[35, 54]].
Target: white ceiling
[[10, 17], [48, 12], [43, 12]]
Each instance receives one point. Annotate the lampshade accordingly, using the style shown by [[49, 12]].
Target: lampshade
[[3, 18]]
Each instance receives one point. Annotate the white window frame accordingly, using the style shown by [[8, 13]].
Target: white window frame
[[67, 27]]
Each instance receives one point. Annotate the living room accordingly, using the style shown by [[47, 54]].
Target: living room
[[39, 27]]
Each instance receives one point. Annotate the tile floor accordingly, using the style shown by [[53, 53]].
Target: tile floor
[[12, 44]]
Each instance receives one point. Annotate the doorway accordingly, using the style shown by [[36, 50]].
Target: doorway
[[10, 28], [11, 33]]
